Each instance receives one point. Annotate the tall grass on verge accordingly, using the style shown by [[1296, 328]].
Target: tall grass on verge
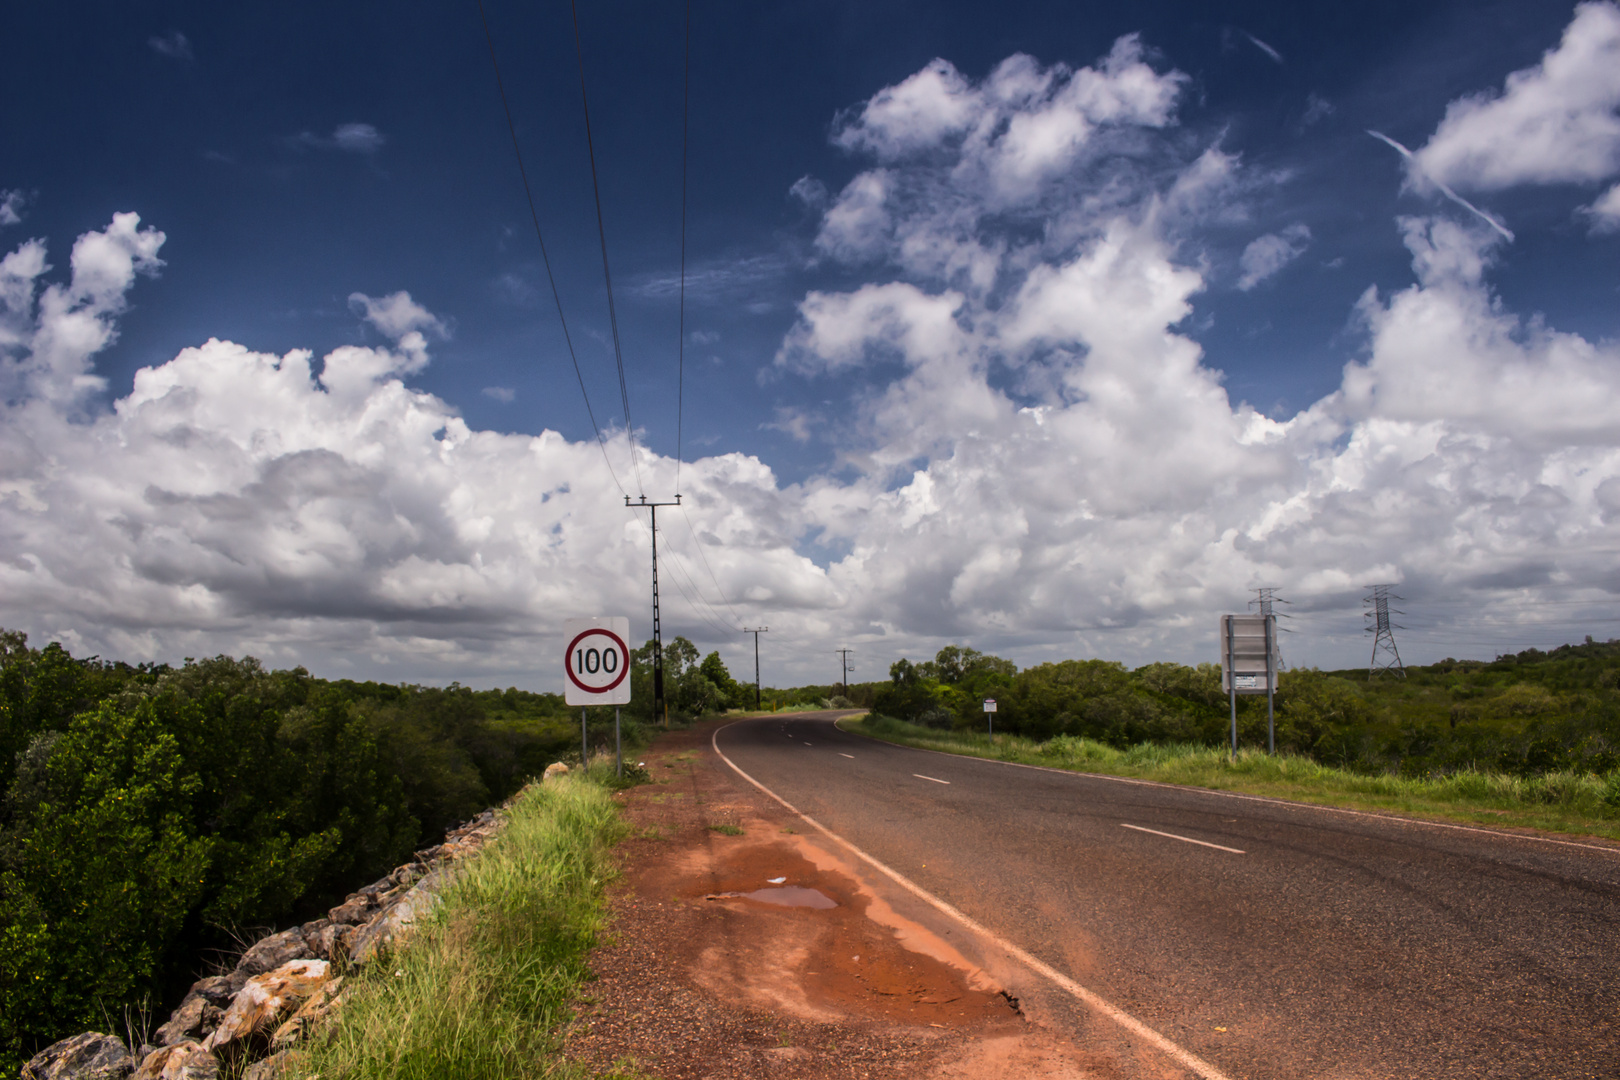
[[481, 990], [1562, 802]]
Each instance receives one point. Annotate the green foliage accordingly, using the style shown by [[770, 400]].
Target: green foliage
[[150, 814], [482, 990], [1566, 801], [1529, 714], [692, 688], [103, 863]]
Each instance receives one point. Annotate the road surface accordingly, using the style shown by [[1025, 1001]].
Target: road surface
[[1270, 939]]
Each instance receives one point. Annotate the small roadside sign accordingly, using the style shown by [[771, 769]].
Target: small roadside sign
[[1248, 654], [989, 704], [596, 661]]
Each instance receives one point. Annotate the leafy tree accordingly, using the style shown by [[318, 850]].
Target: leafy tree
[[101, 868]]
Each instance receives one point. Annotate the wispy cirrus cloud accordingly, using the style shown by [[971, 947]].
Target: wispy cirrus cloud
[[1270, 253], [12, 204], [350, 138], [714, 280], [173, 44], [1263, 47]]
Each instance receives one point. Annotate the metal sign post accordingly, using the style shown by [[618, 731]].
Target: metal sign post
[[596, 670], [1231, 683], [990, 713], [1271, 685], [1249, 666]]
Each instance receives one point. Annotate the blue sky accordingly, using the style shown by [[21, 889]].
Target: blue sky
[[875, 302]]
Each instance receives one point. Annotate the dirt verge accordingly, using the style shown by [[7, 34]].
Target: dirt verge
[[743, 948]]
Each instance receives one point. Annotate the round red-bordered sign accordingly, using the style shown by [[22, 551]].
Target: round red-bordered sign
[[570, 660]]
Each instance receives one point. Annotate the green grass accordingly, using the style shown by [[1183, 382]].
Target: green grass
[[1580, 804], [726, 829], [481, 991]]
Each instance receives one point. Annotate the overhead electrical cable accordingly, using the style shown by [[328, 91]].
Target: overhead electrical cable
[[687, 518], [556, 297], [680, 353], [698, 602], [697, 605], [601, 233], [719, 616]]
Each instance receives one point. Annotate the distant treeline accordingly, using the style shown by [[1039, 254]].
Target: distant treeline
[[1527, 714], [149, 814]]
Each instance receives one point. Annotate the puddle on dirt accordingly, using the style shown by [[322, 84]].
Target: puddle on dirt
[[784, 896]]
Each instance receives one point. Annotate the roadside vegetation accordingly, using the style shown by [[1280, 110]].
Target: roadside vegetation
[[482, 990], [695, 688], [1561, 801], [152, 816], [1527, 739]]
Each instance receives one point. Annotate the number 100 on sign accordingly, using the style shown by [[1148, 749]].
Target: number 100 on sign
[[596, 661]]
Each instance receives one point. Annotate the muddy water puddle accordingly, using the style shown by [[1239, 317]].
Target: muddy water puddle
[[782, 896]]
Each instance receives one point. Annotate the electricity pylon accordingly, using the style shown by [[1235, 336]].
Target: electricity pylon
[[1385, 656], [1266, 599]]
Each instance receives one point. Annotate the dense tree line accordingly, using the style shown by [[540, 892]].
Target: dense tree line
[[152, 814], [1528, 713], [693, 687]]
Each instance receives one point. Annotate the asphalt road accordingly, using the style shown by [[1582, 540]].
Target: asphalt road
[[1335, 945]]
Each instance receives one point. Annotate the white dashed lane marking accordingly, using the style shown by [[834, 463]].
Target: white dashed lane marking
[[1186, 839]]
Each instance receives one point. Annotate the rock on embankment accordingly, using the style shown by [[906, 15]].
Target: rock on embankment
[[282, 989]]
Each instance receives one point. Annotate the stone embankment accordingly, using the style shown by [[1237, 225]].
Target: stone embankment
[[282, 989]]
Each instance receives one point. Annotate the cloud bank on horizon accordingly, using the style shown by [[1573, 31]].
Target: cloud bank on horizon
[[1040, 462]]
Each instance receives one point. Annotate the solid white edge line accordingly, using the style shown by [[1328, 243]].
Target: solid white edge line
[[1185, 839], [1185, 1058], [1284, 803], [935, 779]]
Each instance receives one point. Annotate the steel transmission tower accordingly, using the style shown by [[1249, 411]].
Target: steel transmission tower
[[1266, 600], [1385, 656]]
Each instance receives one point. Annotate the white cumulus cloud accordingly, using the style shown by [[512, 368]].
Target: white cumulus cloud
[[1035, 457], [1605, 212], [1553, 123]]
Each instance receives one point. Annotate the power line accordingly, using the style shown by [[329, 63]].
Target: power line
[[534, 216], [715, 623], [713, 616], [601, 233], [680, 377], [706, 566]]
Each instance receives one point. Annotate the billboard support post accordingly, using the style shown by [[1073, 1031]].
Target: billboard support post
[[1271, 672], [1249, 666], [1231, 686]]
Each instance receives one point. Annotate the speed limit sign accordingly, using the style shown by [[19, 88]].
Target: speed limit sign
[[596, 662]]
